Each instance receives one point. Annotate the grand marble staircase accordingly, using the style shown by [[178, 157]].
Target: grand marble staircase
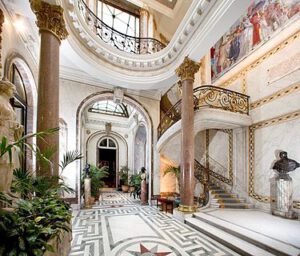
[[221, 198]]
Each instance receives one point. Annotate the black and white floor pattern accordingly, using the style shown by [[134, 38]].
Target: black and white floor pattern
[[119, 226]]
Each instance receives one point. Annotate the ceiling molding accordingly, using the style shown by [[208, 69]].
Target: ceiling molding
[[204, 23]]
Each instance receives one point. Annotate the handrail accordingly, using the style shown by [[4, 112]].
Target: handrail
[[218, 171], [207, 96], [123, 42]]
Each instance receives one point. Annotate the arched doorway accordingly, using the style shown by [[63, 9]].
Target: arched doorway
[[140, 148], [107, 156]]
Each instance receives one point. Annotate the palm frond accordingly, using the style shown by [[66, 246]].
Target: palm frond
[[172, 169], [69, 157]]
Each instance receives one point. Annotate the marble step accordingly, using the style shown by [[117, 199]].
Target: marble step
[[274, 246], [232, 205], [225, 196], [228, 200], [234, 243]]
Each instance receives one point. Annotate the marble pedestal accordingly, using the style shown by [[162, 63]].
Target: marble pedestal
[[87, 193], [283, 197]]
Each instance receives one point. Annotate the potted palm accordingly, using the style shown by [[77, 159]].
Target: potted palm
[[124, 178]]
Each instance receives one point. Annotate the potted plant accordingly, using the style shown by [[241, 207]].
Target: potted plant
[[135, 185], [124, 178], [97, 174], [38, 221]]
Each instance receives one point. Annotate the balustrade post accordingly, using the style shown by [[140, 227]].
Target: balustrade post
[[52, 30], [186, 71]]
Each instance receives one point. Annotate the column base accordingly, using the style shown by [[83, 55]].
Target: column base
[[187, 208], [288, 215]]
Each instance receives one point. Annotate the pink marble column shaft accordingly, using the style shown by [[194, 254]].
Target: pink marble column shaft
[[53, 30], [186, 71]]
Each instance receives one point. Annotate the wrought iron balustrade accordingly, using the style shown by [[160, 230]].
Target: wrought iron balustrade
[[123, 42], [207, 96]]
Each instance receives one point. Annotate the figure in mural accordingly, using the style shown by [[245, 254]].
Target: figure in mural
[[263, 18], [255, 20], [234, 50]]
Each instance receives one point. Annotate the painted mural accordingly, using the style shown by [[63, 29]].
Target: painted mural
[[263, 18]]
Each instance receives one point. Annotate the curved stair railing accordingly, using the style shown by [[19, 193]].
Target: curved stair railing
[[207, 96], [123, 42], [203, 174]]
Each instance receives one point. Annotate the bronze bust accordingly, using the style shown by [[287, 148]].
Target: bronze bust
[[285, 165]]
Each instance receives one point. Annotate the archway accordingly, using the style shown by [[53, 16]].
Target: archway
[[25, 101], [81, 139]]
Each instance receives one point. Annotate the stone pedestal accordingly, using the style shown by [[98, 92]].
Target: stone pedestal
[[283, 197], [87, 192], [144, 192]]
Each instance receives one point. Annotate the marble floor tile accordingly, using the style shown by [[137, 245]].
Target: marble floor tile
[[120, 226]]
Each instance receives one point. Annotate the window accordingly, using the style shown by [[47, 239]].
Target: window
[[19, 102], [108, 107], [118, 19], [107, 143]]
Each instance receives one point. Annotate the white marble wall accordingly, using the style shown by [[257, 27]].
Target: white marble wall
[[277, 71]]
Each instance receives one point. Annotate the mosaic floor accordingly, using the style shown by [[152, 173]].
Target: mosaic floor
[[119, 225]]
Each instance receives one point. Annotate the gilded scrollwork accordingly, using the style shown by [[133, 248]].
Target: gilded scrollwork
[[50, 18], [207, 96]]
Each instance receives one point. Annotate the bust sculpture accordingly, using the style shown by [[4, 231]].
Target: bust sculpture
[[284, 164]]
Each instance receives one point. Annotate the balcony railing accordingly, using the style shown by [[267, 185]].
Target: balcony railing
[[123, 42], [211, 97]]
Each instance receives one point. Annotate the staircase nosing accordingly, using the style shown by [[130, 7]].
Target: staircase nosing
[[224, 242]]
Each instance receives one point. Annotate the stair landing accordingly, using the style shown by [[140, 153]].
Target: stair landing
[[249, 232]]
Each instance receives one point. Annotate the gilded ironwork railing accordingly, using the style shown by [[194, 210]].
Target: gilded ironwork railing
[[207, 96], [123, 42], [201, 173]]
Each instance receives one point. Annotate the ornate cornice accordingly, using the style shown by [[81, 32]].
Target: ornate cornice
[[50, 18], [187, 69]]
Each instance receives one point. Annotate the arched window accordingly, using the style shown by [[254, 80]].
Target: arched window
[[107, 143], [119, 18], [19, 102]]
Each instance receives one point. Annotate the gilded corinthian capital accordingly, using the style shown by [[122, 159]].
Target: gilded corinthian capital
[[187, 69], [50, 18]]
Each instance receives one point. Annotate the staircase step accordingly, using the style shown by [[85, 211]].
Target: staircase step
[[232, 205], [271, 245], [225, 196], [228, 200], [236, 244]]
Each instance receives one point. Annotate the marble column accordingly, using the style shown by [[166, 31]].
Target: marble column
[[52, 29], [144, 23], [206, 70], [186, 71]]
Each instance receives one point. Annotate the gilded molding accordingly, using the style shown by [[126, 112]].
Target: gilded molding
[[50, 18], [187, 208], [252, 128], [281, 93], [187, 69], [261, 59]]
